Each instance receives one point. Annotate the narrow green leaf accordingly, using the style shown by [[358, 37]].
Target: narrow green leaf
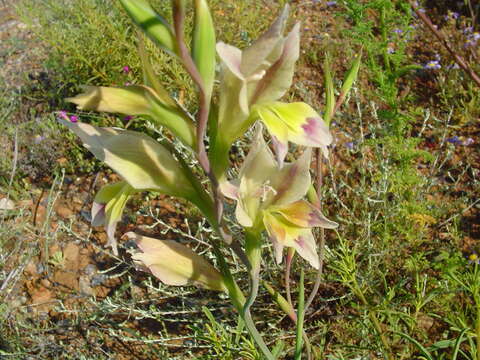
[[153, 24], [301, 316], [458, 342], [277, 350], [203, 44], [280, 300], [150, 78], [330, 91], [420, 347]]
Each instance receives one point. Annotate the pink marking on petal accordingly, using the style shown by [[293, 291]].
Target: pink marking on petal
[[300, 242], [74, 119], [126, 69], [281, 150], [310, 127], [316, 131]]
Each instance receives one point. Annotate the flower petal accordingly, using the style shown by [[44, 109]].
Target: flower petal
[[106, 194], [242, 215], [176, 264], [306, 248], [108, 208], [277, 129], [305, 126], [259, 163], [304, 214], [255, 55], [278, 77], [257, 169], [277, 250], [281, 150], [293, 180], [287, 234], [275, 229], [230, 189], [231, 58]]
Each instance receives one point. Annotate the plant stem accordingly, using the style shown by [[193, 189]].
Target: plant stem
[[321, 255], [300, 318], [383, 29], [477, 330], [253, 248], [288, 266], [373, 318], [202, 122]]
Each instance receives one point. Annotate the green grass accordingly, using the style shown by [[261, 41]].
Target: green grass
[[397, 278]]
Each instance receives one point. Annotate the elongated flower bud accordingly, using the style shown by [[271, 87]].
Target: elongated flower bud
[[152, 23], [203, 45], [351, 75], [175, 264]]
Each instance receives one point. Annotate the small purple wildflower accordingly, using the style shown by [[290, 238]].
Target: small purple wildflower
[[349, 145], [331, 3], [390, 50], [453, 66], [455, 15], [446, 17], [476, 36], [126, 69], [333, 123], [74, 118], [398, 31], [63, 114], [128, 118], [470, 42], [468, 142], [468, 29], [128, 83], [38, 139], [437, 57], [455, 140], [432, 65]]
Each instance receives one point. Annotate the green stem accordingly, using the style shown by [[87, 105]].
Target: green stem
[[373, 318], [300, 318], [477, 329], [383, 28], [288, 309], [253, 247]]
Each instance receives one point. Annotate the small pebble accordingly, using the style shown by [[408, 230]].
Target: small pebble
[[90, 270], [98, 279], [87, 215]]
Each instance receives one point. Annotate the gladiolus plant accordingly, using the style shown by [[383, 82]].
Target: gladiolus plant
[[273, 197]]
